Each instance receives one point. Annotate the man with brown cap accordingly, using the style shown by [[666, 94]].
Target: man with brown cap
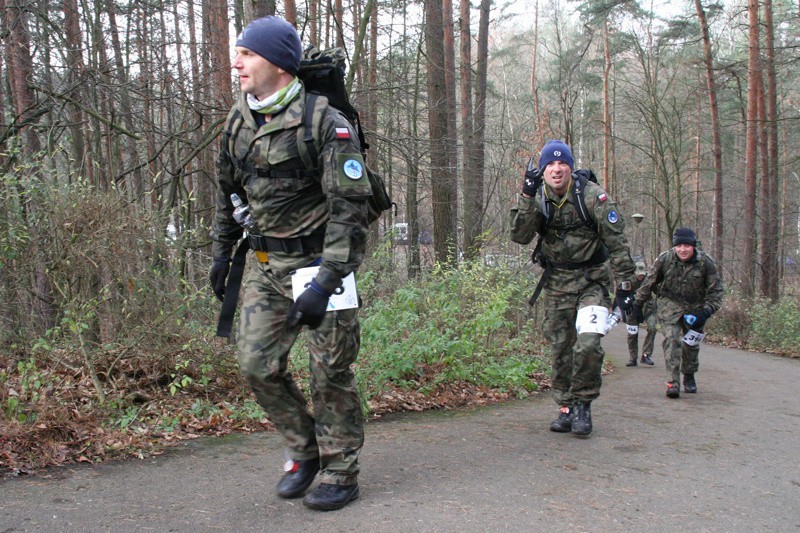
[[633, 326], [689, 291]]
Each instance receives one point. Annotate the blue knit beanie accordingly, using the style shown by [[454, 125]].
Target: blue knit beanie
[[556, 151], [275, 40], [684, 236]]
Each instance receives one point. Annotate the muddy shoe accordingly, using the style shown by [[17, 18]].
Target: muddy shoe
[[563, 424], [330, 497], [582, 422], [298, 477], [689, 384]]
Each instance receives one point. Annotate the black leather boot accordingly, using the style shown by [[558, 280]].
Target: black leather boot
[[298, 477], [646, 359], [329, 497], [689, 384], [673, 390], [582, 422], [631, 362], [562, 424]]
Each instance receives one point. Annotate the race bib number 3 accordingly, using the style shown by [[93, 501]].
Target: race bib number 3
[[344, 297], [592, 319]]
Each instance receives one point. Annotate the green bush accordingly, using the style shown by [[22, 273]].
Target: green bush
[[466, 324], [775, 326]]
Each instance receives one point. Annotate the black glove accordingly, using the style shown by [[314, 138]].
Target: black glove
[[310, 307], [697, 318], [624, 299], [533, 179], [637, 314], [219, 273]]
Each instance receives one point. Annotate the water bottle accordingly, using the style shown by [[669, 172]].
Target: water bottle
[[241, 212], [613, 319]]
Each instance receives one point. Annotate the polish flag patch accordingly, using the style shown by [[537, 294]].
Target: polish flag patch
[[602, 197], [342, 133]]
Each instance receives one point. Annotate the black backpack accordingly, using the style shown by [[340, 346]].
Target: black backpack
[[322, 74]]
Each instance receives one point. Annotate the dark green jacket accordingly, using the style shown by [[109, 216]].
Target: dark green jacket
[[332, 200]]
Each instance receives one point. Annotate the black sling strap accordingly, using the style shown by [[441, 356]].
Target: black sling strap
[[232, 287]]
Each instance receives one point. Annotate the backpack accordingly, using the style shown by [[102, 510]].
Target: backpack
[[322, 74]]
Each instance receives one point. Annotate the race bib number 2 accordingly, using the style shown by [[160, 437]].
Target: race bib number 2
[[592, 319]]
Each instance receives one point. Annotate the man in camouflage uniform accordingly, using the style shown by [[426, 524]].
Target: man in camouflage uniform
[[579, 261], [633, 326], [689, 291], [302, 218]]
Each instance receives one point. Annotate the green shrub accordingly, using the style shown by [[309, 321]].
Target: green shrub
[[466, 324], [775, 326]]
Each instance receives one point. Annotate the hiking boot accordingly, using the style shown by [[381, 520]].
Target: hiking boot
[[673, 390], [631, 362], [582, 421], [689, 384], [329, 497], [563, 424], [298, 477], [646, 360]]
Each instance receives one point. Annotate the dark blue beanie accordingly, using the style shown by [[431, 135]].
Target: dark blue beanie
[[275, 40], [684, 236], [556, 151]]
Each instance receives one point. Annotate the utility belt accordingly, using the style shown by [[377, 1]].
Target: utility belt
[[298, 245], [261, 245], [599, 256]]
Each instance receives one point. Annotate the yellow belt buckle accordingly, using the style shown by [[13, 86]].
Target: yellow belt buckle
[[262, 257]]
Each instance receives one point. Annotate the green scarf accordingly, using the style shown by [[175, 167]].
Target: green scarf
[[276, 102]]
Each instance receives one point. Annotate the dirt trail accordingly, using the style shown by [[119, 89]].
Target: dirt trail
[[724, 459]]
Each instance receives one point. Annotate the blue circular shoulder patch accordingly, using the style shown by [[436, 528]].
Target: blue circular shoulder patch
[[353, 169], [613, 217]]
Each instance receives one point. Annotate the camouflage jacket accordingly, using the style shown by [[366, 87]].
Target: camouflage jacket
[[332, 200], [682, 287], [568, 240]]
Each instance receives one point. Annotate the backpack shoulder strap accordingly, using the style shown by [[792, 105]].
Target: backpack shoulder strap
[[312, 117], [579, 199], [547, 212], [232, 126]]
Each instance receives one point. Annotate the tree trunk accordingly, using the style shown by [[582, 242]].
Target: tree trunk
[[607, 183], [751, 151], [290, 12], [254, 9], [451, 143], [719, 243], [473, 195], [481, 84], [537, 135], [441, 176], [771, 238]]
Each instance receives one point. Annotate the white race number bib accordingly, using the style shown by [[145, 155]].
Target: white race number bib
[[592, 319]]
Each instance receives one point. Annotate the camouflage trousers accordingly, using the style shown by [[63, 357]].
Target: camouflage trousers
[[335, 430], [679, 356], [577, 359], [649, 339]]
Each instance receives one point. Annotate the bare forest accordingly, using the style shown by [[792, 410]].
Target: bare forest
[[111, 114]]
